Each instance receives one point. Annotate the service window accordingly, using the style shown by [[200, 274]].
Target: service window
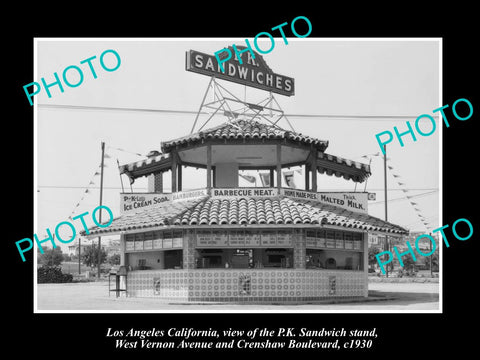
[[357, 241], [177, 239], [339, 240], [167, 240], [148, 241], [321, 238], [129, 242], [348, 241], [139, 241], [330, 239], [157, 239]]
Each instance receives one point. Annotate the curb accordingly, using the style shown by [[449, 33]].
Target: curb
[[372, 296]]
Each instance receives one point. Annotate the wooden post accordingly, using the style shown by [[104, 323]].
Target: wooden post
[[174, 172], [279, 166], [79, 252], [179, 172], [313, 167], [272, 178], [209, 168], [100, 215], [307, 178], [365, 263], [431, 270], [159, 182], [387, 247]]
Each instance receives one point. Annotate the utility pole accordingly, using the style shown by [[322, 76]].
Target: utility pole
[[431, 270], [79, 252], [386, 207], [100, 215]]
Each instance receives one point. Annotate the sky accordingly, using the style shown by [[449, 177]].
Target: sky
[[333, 77]]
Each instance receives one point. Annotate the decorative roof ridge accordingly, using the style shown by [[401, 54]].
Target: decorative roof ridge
[[220, 126]]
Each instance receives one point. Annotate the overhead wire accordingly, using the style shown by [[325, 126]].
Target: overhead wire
[[173, 111], [405, 190], [403, 198]]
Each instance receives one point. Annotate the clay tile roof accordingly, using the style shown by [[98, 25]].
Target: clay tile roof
[[245, 129], [211, 212], [163, 214], [155, 161], [341, 167]]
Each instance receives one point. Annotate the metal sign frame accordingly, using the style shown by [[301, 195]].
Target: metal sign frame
[[225, 103]]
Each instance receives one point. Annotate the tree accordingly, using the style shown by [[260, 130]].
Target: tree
[[435, 263], [51, 257], [372, 251], [90, 256], [114, 259], [408, 265]]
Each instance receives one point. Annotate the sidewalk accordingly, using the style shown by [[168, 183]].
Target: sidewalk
[[94, 297]]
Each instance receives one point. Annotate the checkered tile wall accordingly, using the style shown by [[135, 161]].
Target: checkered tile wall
[[246, 285]]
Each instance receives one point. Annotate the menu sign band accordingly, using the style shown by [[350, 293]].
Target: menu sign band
[[353, 201], [251, 72], [324, 239], [233, 238], [142, 245], [245, 192], [189, 195], [138, 201]]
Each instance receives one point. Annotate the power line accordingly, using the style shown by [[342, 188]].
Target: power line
[[324, 116], [404, 198], [118, 188], [409, 189], [85, 107], [82, 187], [364, 117]]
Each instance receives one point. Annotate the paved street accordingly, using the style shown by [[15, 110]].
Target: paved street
[[93, 296]]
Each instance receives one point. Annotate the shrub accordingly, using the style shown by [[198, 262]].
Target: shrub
[[52, 274]]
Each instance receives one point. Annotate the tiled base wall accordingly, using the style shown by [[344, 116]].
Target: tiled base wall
[[164, 284], [248, 285]]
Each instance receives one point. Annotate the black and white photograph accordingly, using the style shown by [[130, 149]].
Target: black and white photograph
[[238, 182], [260, 188]]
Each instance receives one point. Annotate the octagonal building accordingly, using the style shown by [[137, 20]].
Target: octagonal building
[[229, 243]]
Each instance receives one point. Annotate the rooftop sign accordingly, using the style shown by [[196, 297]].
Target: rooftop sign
[[137, 201], [251, 71], [352, 201]]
